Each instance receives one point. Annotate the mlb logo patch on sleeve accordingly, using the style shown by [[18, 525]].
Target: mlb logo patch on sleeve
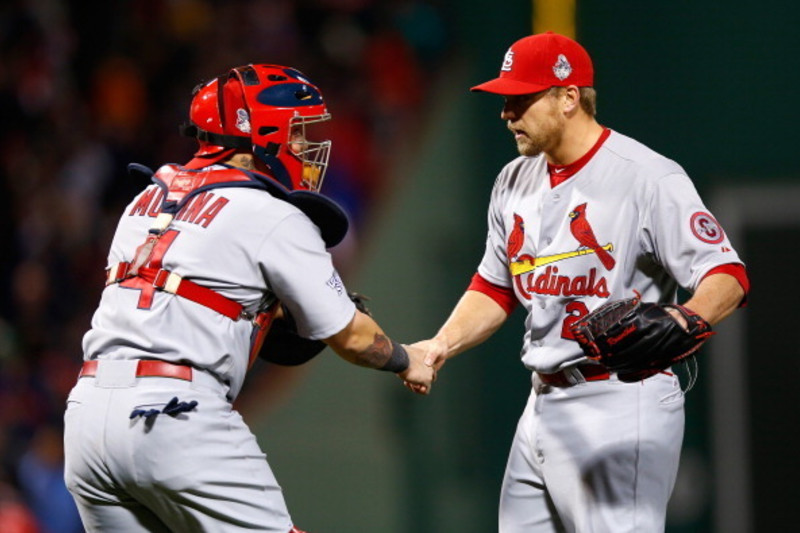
[[335, 283]]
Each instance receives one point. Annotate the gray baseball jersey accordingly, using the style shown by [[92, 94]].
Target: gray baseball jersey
[[241, 243], [144, 452], [630, 220], [627, 219]]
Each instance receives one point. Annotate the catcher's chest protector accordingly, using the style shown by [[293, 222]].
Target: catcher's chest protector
[[178, 187]]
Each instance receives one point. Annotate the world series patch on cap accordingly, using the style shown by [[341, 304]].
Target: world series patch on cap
[[538, 62]]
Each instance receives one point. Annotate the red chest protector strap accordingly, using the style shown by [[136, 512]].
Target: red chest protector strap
[[164, 280]]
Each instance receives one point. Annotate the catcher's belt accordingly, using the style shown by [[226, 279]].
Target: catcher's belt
[[145, 368]]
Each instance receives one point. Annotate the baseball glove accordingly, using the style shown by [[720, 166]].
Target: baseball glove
[[638, 339], [283, 346]]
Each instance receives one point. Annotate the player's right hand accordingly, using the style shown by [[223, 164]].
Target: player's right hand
[[436, 351], [418, 377]]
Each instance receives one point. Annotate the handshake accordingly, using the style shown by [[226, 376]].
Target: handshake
[[362, 342], [425, 359]]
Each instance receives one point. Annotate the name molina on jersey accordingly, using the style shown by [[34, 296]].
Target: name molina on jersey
[[200, 210]]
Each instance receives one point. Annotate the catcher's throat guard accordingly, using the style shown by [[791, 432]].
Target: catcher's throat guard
[[639, 339]]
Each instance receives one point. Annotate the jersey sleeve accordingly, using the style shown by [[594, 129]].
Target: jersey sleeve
[[504, 296], [494, 264], [682, 234], [300, 271]]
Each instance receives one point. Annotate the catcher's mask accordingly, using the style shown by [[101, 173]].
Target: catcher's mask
[[263, 108]]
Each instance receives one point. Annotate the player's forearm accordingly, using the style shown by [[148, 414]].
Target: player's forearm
[[363, 343], [716, 298], [474, 319]]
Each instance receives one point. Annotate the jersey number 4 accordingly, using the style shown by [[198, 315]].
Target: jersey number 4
[[153, 262]]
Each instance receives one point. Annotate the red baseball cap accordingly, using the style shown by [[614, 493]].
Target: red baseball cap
[[541, 61]]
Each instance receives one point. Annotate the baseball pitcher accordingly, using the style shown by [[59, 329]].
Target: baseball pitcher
[[593, 233]]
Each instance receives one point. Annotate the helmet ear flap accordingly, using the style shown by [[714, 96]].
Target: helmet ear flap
[[207, 123], [234, 111]]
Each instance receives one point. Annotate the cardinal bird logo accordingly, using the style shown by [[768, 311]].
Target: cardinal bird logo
[[582, 231], [516, 238]]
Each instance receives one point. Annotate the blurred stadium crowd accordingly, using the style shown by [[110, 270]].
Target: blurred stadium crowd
[[87, 87]]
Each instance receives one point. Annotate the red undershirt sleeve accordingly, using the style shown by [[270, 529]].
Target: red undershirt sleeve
[[504, 296], [737, 271]]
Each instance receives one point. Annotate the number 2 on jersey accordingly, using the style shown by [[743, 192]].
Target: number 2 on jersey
[[575, 311]]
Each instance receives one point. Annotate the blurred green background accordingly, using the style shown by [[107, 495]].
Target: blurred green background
[[414, 158]]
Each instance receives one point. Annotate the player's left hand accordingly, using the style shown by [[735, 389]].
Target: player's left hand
[[639, 339]]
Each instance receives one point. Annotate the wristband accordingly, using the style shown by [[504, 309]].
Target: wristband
[[398, 361]]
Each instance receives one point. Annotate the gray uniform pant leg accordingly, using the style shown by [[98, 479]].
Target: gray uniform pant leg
[[599, 457], [200, 470], [525, 505]]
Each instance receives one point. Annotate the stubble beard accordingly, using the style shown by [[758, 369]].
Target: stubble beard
[[547, 136], [530, 147]]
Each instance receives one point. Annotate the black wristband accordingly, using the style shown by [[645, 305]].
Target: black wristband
[[398, 361]]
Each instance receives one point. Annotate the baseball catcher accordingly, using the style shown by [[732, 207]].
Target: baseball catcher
[[216, 261], [638, 339]]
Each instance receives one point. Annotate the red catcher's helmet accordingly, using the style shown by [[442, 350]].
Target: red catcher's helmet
[[206, 126], [263, 108]]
